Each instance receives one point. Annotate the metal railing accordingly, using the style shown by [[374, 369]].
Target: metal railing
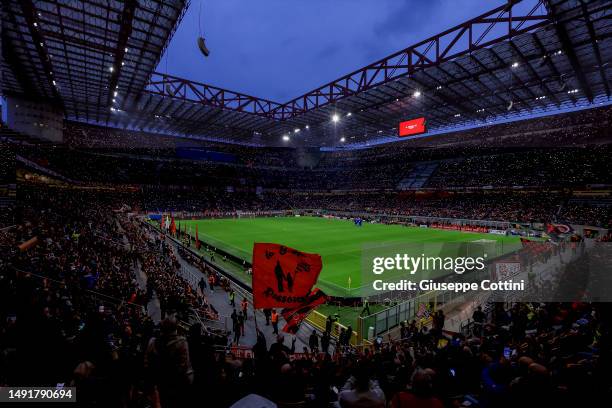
[[416, 308]]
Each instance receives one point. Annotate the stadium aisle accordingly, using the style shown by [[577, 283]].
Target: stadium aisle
[[220, 300], [153, 307]]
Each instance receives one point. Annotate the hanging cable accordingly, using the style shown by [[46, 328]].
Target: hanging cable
[[201, 41]]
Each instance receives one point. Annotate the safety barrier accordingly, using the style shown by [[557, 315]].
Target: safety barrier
[[417, 308]]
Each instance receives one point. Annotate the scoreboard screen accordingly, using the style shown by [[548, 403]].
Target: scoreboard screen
[[412, 127]]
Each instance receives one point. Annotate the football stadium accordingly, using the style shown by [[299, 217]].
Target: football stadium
[[211, 203], [325, 236]]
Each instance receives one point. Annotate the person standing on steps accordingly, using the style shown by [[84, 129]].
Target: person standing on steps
[[366, 308], [244, 305], [235, 326], [202, 285], [211, 283], [274, 318], [241, 319], [313, 342], [325, 342], [267, 313]]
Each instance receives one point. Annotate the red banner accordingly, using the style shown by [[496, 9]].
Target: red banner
[[282, 276], [412, 127], [535, 247], [295, 316]]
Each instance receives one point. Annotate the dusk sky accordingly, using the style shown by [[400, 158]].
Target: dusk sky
[[280, 49]]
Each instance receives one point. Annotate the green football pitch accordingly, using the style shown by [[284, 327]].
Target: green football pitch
[[339, 242]]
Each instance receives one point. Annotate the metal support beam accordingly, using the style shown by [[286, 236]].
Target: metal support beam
[[568, 49], [29, 12], [179, 88], [600, 63], [500, 24], [125, 29]]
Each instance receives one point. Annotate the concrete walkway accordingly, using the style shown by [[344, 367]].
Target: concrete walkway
[[153, 307], [220, 300]]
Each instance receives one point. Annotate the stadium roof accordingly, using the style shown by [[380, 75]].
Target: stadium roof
[[78, 54], [522, 58]]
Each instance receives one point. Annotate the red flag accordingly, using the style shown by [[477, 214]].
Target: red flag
[[295, 316], [197, 240], [535, 247], [282, 276], [172, 225]]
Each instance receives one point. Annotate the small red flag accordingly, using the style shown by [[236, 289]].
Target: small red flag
[[535, 247], [283, 276], [295, 316], [172, 225], [197, 240]]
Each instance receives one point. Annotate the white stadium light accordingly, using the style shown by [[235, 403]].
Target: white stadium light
[[296, 130], [349, 114], [343, 139], [335, 118], [515, 64], [307, 127], [416, 94], [286, 138]]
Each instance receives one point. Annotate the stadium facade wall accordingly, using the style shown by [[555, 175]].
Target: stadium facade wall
[[37, 119]]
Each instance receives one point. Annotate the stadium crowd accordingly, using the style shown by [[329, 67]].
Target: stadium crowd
[[570, 150], [79, 274], [74, 312], [495, 172]]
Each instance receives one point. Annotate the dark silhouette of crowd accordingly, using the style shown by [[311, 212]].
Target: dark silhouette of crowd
[[80, 272], [73, 312]]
